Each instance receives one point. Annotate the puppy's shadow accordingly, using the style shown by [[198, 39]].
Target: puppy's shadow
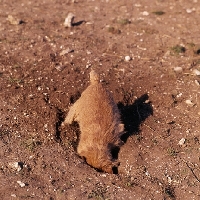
[[134, 114], [78, 23]]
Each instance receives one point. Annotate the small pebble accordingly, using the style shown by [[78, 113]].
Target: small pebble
[[88, 52], [145, 13], [39, 88], [188, 10], [147, 174], [59, 67], [65, 51], [89, 23], [170, 122], [127, 58], [69, 20], [189, 102], [197, 82], [196, 72], [178, 69], [179, 95], [15, 166], [14, 21], [21, 184], [181, 142], [169, 179]]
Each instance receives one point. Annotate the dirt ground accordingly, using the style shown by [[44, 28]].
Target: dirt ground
[[44, 67]]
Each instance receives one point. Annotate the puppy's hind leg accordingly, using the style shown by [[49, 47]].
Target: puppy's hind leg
[[71, 116]]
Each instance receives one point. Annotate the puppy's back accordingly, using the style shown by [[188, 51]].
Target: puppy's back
[[98, 115]]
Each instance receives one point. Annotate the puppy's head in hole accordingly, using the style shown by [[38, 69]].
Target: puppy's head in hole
[[103, 162]]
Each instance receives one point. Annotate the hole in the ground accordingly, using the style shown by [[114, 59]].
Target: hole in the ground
[[115, 152], [169, 191], [115, 170], [75, 97], [60, 119]]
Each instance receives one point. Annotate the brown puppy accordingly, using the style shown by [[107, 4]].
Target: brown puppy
[[99, 120]]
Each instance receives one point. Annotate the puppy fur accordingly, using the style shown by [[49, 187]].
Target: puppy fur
[[100, 125]]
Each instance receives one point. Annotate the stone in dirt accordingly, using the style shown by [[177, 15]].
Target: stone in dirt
[[69, 20], [21, 184], [13, 20], [17, 166], [181, 142]]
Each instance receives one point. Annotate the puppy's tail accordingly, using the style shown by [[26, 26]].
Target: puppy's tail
[[94, 77]]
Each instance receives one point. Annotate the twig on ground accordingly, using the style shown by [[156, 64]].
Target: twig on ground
[[192, 172]]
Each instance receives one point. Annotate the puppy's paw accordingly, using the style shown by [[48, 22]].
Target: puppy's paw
[[111, 168], [108, 169]]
